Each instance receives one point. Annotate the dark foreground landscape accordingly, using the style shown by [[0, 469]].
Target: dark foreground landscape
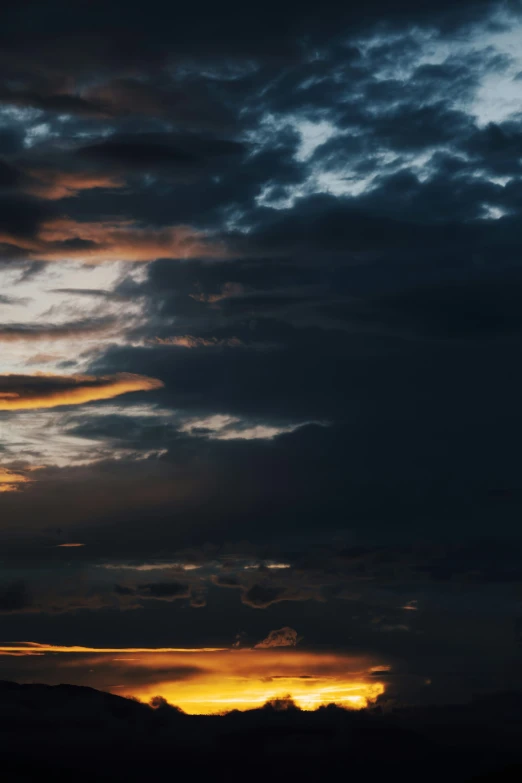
[[67, 732]]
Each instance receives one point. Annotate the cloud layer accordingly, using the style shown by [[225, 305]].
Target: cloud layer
[[260, 328]]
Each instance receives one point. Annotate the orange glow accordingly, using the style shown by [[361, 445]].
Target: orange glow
[[35, 648], [10, 480], [70, 545], [217, 693], [118, 240], [218, 680], [53, 185], [30, 392]]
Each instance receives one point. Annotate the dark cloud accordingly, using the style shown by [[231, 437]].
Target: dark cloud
[[190, 103], [194, 590], [476, 309], [182, 156], [10, 141], [19, 218], [15, 597], [259, 595], [163, 591], [327, 308], [31, 332], [284, 637], [12, 300], [62, 103], [91, 292], [9, 176], [142, 676]]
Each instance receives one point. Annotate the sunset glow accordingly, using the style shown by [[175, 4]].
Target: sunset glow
[[260, 307], [214, 680], [96, 242], [221, 694]]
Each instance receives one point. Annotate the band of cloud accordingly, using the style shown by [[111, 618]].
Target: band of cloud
[[29, 392], [64, 239]]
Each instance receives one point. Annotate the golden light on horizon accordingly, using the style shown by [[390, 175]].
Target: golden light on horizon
[[218, 680], [217, 694]]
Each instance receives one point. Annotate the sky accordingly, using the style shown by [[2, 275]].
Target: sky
[[260, 341]]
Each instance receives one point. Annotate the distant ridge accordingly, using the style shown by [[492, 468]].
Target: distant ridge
[[76, 733]]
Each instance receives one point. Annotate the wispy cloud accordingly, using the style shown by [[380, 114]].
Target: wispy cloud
[[65, 239]]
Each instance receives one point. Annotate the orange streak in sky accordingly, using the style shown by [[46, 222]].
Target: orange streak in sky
[[69, 545], [32, 648], [76, 390], [52, 185]]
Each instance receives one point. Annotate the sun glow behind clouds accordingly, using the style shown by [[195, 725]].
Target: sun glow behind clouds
[[211, 695], [216, 680]]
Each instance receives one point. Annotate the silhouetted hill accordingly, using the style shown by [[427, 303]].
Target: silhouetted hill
[[70, 732]]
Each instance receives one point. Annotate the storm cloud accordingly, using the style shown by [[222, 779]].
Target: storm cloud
[[260, 330]]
